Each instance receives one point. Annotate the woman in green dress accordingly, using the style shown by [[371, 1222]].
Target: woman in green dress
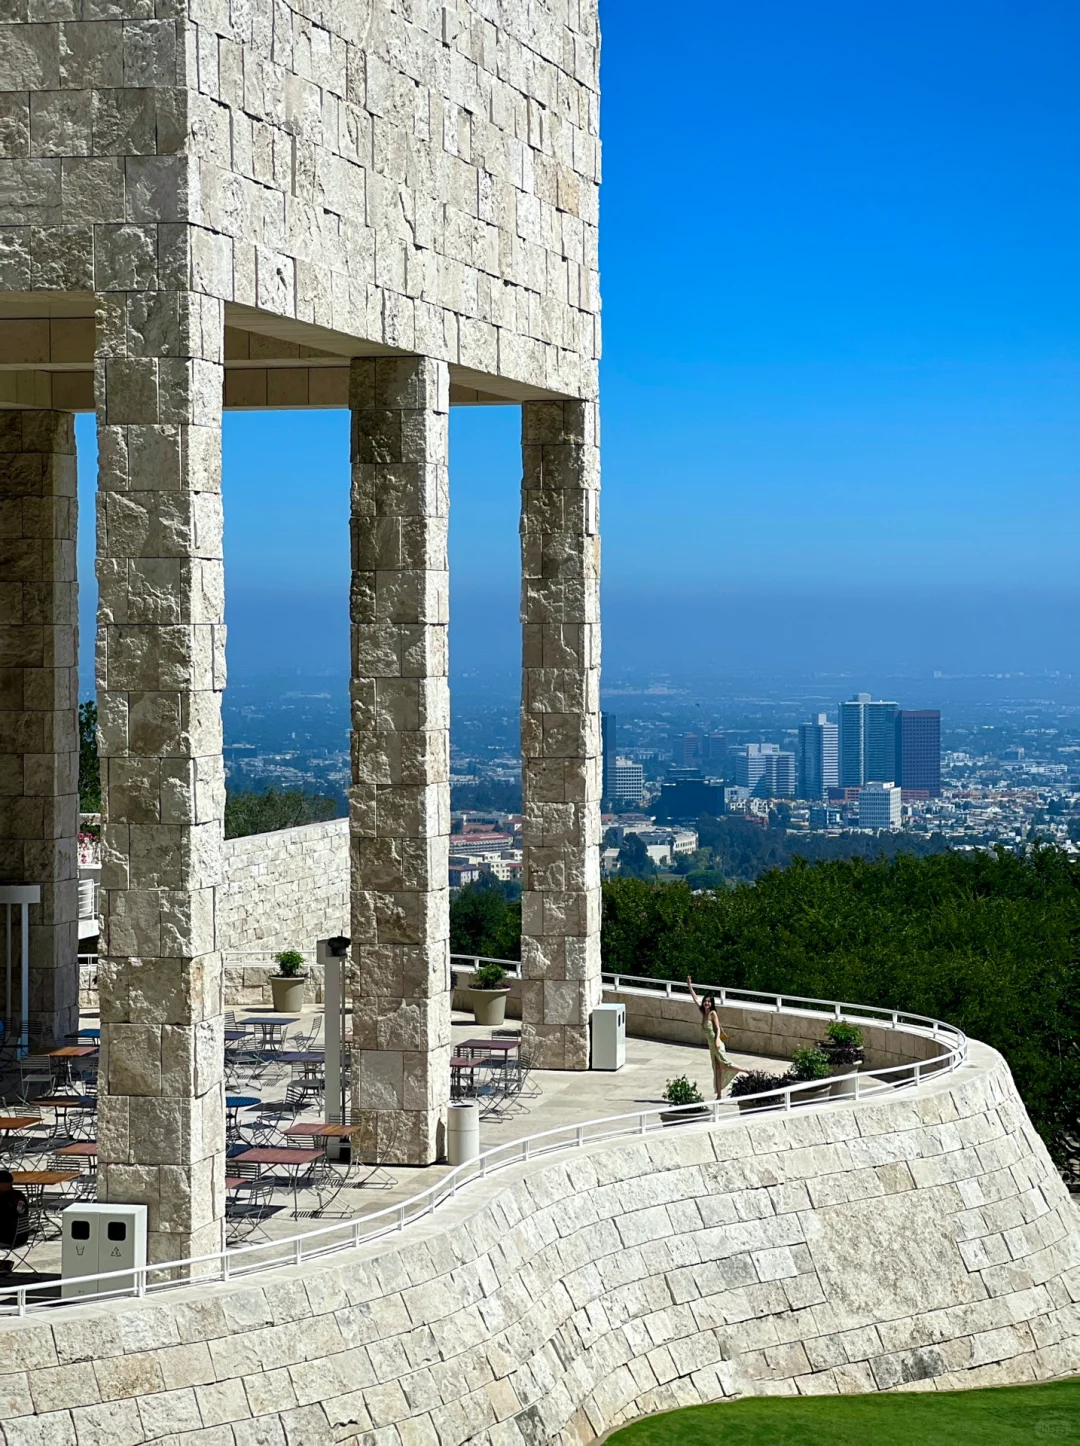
[[722, 1068]]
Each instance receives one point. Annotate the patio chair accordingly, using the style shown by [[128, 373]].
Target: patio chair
[[35, 1077], [31, 1232], [246, 1207]]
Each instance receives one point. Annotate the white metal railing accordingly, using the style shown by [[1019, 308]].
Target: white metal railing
[[238, 1261]]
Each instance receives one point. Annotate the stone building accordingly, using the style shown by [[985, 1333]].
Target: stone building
[[379, 205]]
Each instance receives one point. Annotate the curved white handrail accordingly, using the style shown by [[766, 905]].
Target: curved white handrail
[[238, 1261]]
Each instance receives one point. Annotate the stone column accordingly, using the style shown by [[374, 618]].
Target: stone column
[[161, 670], [39, 681], [400, 802], [560, 730]]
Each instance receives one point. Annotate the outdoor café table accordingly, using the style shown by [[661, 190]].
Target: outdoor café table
[[233, 1105], [85, 1105], [80, 1150], [36, 1182], [504, 1047], [462, 1065], [272, 1026], [291, 1160], [67, 1054]]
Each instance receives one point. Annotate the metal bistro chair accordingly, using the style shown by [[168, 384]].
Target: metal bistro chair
[[247, 1205]]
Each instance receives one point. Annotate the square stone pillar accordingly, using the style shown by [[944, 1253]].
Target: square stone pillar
[[400, 799], [39, 682], [161, 671], [560, 730]]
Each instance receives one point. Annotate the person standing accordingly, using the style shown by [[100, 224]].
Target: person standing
[[722, 1068]]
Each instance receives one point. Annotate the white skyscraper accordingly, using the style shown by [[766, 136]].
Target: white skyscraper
[[818, 757], [879, 806]]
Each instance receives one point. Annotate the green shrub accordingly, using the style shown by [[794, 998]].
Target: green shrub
[[489, 976], [811, 1063], [681, 1091], [848, 1036], [290, 963]]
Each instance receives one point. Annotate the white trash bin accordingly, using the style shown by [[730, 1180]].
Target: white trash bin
[[462, 1132]]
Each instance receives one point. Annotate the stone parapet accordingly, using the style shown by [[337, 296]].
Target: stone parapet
[[285, 889], [924, 1242]]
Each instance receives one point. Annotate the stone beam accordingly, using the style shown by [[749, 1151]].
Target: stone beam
[[560, 730], [39, 740], [400, 800], [161, 670]]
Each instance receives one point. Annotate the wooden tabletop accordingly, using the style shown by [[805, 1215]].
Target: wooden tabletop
[[73, 1051], [43, 1177], [67, 1102], [324, 1131], [18, 1122], [502, 1046], [81, 1149], [273, 1155]]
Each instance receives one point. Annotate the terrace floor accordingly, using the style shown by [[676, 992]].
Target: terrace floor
[[552, 1099]]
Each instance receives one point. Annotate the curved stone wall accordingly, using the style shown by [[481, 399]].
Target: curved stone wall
[[922, 1242]]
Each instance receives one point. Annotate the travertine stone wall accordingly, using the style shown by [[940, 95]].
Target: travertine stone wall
[[400, 797], [560, 729], [923, 1243], [422, 177], [284, 890], [160, 672], [39, 742]]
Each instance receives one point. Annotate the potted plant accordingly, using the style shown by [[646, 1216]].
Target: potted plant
[[756, 1082], [488, 992], [843, 1043], [683, 1093], [287, 985], [809, 1064]]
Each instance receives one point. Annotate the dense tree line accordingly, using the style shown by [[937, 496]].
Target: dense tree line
[[988, 941], [249, 812], [732, 848]]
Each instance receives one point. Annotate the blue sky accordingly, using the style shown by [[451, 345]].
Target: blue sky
[[841, 349]]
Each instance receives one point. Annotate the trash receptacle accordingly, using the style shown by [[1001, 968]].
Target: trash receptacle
[[462, 1132]]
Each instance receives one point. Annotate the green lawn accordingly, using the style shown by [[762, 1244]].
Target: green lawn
[[1034, 1415]]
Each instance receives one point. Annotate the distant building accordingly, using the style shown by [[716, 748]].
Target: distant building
[[826, 815], [629, 782], [867, 739], [817, 757], [688, 750], [714, 754], [607, 746], [918, 751], [685, 800], [879, 806], [766, 770]]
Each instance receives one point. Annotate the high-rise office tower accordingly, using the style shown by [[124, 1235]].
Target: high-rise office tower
[[918, 750], [817, 757], [867, 741], [766, 770], [714, 754], [607, 749]]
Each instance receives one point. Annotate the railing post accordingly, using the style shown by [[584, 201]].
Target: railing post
[[580, 1135], [401, 1217], [667, 991], [643, 1124], [298, 1251], [525, 1148], [787, 1098], [779, 1003], [225, 1272], [20, 1300], [857, 1078], [723, 998], [918, 1071]]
